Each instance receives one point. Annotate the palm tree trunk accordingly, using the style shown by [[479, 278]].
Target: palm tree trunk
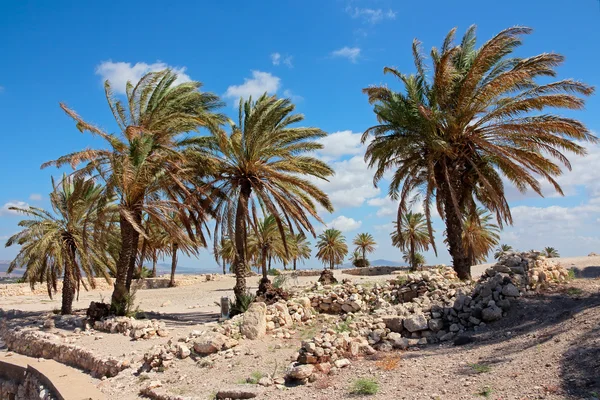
[[240, 242], [137, 217], [154, 260], [68, 289], [331, 264], [224, 267], [125, 264], [173, 265], [413, 264], [142, 254], [454, 230], [263, 261], [294, 264], [364, 253]]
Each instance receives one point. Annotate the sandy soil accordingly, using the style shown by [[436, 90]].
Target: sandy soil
[[548, 347]]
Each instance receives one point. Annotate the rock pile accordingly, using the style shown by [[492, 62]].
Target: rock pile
[[136, 329], [420, 308]]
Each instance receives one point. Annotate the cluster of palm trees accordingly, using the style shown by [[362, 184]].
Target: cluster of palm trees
[[448, 138], [549, 252]]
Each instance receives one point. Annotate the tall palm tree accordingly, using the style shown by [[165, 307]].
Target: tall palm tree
[[550, 252], [412, 235], [480, 236], [265, 164], [332, 247], [300, 248], [502, 249], [69, 242], [449, 136], [144, 165], [365, 243]]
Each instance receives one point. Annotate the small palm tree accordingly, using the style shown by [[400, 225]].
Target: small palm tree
[[365, 243], [550, 252], [358, 261], [500, 250], [225, 252], [332, 247], [480, 236], [269, 243], [412, 235], [265, 164], [417, 259], [69, 242], [300, 248], [450, 136], [146, 165]]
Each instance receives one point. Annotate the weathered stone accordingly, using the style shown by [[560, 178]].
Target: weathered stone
[[393, 323], [415, 323], [510, 290], [341, 363], [254, 324], [182, 351], [300, 371], [435, 324], [210, 344], [491, 313], [398, 341]]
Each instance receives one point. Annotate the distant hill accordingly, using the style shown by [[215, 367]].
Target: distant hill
[[386, 263]]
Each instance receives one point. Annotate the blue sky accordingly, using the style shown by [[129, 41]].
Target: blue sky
[[319, 53]]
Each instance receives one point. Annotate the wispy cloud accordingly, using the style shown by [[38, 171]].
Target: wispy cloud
[[260, 83], [351, 53], [371, 15], [5, 209], [35, 197], [277, 59], [344, 224], [118, 73]]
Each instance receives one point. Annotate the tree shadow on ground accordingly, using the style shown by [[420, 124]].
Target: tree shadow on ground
[[590, 272], [177, 320]]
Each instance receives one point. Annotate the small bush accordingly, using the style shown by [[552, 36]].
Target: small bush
[[241, 305], [280, 281], [343, 326], [143, 274], [255, 377], [571, 274], [480, 368], [574, 291], [273, 272], [361, 263], [486, 392], [365, 386]]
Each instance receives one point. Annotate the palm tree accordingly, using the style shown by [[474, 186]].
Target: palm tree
[[480, 236], [412, 235], [550, 252], [418, 259], [365, 243], [332, 247], [451, 135], [300, 248], [268, 243], [264, 166], [500, 250], [357, 260], [144, 165], [225, 252], [69, 242]]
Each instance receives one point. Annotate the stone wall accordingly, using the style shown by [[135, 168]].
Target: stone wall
[[26, 387], [372, 271], [34, 343], [24, 289]]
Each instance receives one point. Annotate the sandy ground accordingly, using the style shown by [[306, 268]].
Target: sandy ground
[[548, 347]]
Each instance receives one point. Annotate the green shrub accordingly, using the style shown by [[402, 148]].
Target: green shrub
[[255, 377], [273, 272], [480, 368], [241, 305], [365, 386], [280, 281], [360, 263], [486, 392]]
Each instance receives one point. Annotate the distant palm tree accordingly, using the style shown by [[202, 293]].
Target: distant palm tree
[[365, 243], [300, 248], [69, 242], [503, 248], [456, 128], [411, 235], [332, 247], [225, 252], [418, 259], [480, 236], [358, 261], [550, 252], [146, 165], [268, 243], [264, 166]]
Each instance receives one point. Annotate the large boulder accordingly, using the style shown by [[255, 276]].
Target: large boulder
[[254, 324], [491, 313], [210, 344], [393, 323], [299, 372], [415, 323]]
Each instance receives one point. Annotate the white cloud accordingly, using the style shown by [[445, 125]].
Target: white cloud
[[5, 208], [294, 97], [351, 53], [35, 197], [344, 224], [351, 185], [260, 83], [370, 15], [275, 58], [341, 143], [118, 73]]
